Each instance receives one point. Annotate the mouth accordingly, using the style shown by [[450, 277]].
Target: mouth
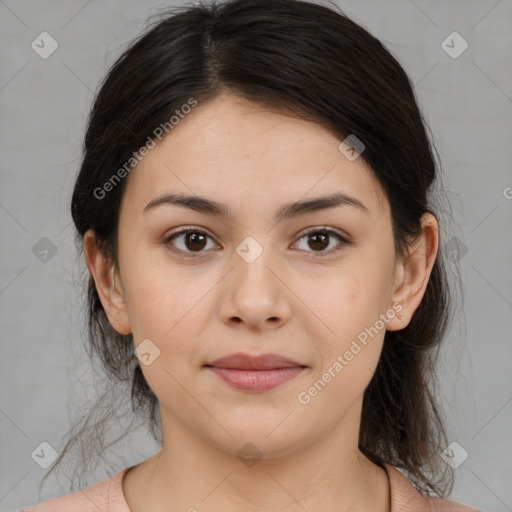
[[255, 373]]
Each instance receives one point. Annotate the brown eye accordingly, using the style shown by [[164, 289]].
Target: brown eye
[[319, 240], [188, 241]]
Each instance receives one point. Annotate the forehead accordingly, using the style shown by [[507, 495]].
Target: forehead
[[239, 152]]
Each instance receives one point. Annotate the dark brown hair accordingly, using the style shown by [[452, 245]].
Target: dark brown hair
[[312, 62]]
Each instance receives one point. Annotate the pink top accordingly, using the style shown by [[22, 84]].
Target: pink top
[[107, 496]]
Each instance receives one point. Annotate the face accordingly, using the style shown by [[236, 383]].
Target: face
[[318, 286]]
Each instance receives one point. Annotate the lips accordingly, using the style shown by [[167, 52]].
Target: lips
[[241, 361], [255, 374]]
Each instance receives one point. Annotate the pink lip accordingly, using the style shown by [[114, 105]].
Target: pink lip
[[255, 373], [256, 380]]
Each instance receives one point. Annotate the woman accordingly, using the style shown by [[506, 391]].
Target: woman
[[254, 207]]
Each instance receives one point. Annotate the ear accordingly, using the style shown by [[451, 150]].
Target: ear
[[108, 284], [413, 272]]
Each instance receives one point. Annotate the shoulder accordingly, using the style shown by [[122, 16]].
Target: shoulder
[[406, 498], [106, 496]]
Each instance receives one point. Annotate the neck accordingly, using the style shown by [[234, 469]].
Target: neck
[[190, 473]]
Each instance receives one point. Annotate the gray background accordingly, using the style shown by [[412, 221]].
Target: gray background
[[44, 103]]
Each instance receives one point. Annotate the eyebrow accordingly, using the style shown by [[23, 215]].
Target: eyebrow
[[211, 207]]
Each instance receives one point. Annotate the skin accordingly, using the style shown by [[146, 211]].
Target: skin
[[290, 301]]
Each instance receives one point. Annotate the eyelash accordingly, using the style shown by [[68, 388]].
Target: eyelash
[[191, 229]]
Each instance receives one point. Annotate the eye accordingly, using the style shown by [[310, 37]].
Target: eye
[[319, 239], [191, 241]]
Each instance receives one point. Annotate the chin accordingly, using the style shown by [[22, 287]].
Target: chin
[[268, 436]]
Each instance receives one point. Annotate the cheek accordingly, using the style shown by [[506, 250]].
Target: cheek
[[351, 331], [347, 302], [166, 307], [156, 293], [166, 310]]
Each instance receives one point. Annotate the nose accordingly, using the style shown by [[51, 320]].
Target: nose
[[254, 293]]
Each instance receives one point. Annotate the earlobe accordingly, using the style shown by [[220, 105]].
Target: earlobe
[[413, 273], [108, 284]]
